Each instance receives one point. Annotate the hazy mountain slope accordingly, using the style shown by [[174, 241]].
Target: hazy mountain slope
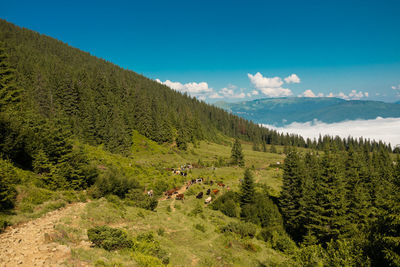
[[280, 111]]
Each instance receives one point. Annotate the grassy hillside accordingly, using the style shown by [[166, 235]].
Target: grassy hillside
[[188, 231]]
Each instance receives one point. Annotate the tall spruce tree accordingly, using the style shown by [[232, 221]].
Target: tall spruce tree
[[237, 154], [10, 95], [293, 179], [247, 189], [329, 217]]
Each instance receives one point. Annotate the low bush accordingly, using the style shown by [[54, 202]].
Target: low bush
[[146, 243], [147, 260], [3, 224], [114, 182], [278, 239], [196, 210], [244, 229], [8, 178], [109, 238], [136, 197], [227, 204], [200, 227]]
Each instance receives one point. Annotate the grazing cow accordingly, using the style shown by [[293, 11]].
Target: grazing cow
[[215, 191], [208, 191], [221, 184], [180, 197], [199, 195], [199, 180], [150, 193], [170, 192], [211, 182], [207, 200], [193, 181]]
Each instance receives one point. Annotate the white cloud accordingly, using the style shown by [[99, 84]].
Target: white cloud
[[240, 95], [228, 92], [215, 96], [191, 88], [276, 92], [307, 93], [254, 92], [357, 95], [260, 81], [292, 79], [269, 86], [378, 129], [396, 87], [353, 95]]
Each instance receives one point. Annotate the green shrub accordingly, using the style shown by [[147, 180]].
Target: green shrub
[[34, 195], [109, 238], [345, 253], [310, 256], [145, 243], [200, 227], [244, 229], [227, 204], [114, 182], [136, 197], [147, 260], [196, 210], [161, 231], [3, 224], [247, 245], [8, 193], [278, 239]]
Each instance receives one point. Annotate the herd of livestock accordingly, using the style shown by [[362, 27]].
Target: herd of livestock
[[181, 196]]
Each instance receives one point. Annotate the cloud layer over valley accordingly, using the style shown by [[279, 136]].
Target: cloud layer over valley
[[386, 130]]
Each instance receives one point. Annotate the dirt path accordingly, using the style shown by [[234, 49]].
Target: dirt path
[[29, 244]]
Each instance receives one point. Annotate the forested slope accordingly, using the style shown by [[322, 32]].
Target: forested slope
[[102, 102]]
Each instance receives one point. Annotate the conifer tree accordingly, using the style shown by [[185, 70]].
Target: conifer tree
[[237, 154], [10, 95], [293, 179], [329, 216], [358, 196], [264, 147], [247, 189]]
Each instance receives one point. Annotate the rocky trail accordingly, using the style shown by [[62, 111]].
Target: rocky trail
[[31, 244]]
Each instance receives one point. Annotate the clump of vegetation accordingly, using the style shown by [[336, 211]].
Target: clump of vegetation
[[109, 238], [3, 224], [244, 229], [8, 179], [200, 227], [237, 154], [196, 210], [145, 243], [227, 204], [113, 181], [136, 197]]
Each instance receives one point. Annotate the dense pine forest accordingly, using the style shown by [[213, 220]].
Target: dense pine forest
[[71, 122], [347, 202]]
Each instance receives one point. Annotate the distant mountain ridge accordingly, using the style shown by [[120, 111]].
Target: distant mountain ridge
[[286, 110]]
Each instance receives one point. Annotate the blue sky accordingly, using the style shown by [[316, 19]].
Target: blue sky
[[235, 50]]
